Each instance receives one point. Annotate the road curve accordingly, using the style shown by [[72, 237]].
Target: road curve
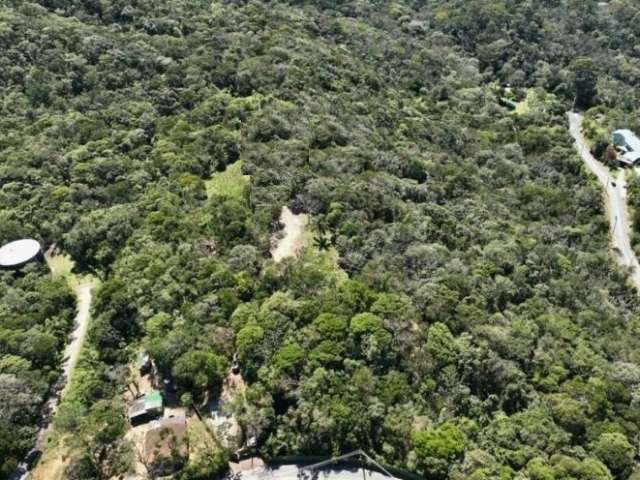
[[615, 201]]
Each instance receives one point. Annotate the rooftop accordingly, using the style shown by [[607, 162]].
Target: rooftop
[[153, 400], [627, 139], [150, 403], [19, 252], [137, 408]]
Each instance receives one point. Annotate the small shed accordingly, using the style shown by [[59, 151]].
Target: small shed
[[153, 403], [166, 448], [146, 408], [18, 253], [137, 412]]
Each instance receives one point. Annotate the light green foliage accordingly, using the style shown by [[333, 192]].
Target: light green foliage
[[289, 358], [441, 344], [331, 326], [437, 448], [615, 451], [102, 453], [229, 183], [567, 468], [365, 324]]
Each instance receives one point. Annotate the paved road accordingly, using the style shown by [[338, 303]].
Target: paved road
[[615, 201]]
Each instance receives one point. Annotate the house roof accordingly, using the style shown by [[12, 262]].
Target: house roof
[[630, 158], [137, 409], [165, 436], [153, 400], [141, 406], [631, 141]]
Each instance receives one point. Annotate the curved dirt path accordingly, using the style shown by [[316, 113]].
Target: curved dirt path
[[293, 240], [83, 291], [615, 201], [72, 352]]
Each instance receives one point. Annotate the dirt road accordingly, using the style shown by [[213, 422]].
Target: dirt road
[[72, 352], [291, 243], [82, 289], [615, 201]]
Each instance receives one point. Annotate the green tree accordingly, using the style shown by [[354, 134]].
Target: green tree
[[437, 448], [615, 451], [198, 371], [441, 345], [102, 453], [585, 82]]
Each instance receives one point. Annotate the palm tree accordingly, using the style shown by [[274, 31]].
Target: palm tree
[[321, 242]]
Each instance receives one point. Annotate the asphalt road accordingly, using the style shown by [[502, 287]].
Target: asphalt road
[[615, 201]]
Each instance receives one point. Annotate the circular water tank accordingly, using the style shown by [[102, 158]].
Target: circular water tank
[[20, 252]]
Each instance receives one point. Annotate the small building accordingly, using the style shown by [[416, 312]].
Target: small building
[[18, 253], [146, 408], [166, 449], [628, 144]]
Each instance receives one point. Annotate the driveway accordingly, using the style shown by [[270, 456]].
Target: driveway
[[615, 201]]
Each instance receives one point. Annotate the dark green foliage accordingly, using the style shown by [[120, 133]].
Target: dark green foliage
[[473, 324], [199, 371], [36, 315]]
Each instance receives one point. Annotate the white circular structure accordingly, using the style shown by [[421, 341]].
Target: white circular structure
[[20, 252]]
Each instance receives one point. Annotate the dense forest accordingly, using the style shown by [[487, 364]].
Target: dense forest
[[457, 312], [35, 316]]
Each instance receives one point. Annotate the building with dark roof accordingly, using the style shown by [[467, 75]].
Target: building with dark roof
[[146, 408]]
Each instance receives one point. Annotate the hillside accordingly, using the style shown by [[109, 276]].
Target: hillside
[[455, 310]]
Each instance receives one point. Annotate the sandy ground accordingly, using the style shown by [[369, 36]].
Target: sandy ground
[[615, 201], [292, 241], [136, 437], [226, 427], [52, 464]]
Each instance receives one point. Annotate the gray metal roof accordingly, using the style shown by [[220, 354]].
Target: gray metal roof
[[137, 409], [19, 252], [630, 138]]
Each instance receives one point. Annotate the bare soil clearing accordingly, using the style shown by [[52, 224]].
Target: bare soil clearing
[[293, 240]]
